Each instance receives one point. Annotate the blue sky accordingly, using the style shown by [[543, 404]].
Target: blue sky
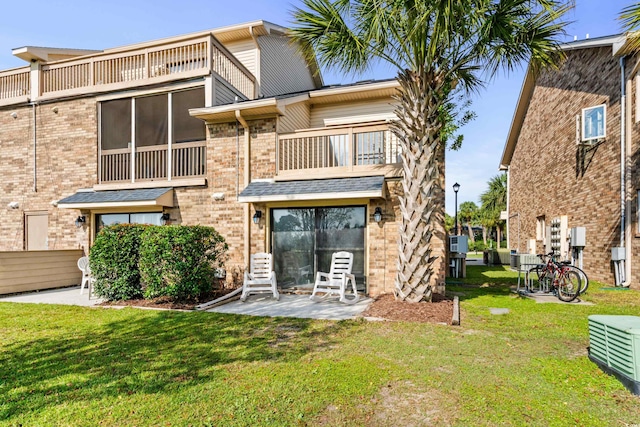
[[91, 24]]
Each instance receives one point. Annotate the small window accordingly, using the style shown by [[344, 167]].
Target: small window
[[594, 123], [540, 228]]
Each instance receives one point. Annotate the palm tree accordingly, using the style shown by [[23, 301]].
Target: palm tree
[[468, 212], [630, 17], [439, 48], [494, 200]]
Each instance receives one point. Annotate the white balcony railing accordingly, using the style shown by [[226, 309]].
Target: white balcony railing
[[188, 160], [14, 85], [344, 148], [152, 64]]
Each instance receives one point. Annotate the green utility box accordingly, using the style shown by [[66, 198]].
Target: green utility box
[[614, 345]]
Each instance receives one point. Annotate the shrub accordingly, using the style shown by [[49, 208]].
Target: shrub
[[180, 261], [114, 262]]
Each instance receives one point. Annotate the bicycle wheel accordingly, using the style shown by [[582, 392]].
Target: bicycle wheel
[[568, 285], [584, 280]]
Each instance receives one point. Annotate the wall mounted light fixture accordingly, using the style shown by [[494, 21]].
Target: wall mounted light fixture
[[377, 214], [256, 217], [165, 218], [14, 114], [80, 221], [13, 205]]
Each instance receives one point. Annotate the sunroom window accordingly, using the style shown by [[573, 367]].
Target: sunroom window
[[152, 137]]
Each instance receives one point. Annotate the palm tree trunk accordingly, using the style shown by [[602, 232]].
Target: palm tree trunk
[[422, 201], [472, 238]]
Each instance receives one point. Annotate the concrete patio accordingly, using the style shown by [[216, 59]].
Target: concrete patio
[[294, 306], [256, 305]]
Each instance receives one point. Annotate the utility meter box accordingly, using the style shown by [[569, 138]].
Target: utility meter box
[[459, 244], [618, 254], [578, 237]]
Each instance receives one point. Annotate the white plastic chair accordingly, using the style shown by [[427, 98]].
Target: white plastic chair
[[87, 280], [337, 280], [260, 277]]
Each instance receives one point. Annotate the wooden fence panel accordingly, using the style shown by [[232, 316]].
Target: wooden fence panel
[[23, 271]]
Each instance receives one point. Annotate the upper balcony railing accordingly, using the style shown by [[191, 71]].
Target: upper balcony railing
[[154, 163], [193, 57], [15, 84], [337, 151]]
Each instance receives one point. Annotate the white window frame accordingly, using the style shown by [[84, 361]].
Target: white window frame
[[585, 111]]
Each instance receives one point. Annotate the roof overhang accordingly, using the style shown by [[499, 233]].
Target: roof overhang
[[357, 92], [89, 199], [265, 191], [48, 54], [616, 42], [249, 110]]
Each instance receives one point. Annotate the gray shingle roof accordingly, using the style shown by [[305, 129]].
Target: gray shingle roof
[[137, 195], [287, 189]]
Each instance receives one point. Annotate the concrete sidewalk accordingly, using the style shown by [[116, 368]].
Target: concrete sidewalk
[[63, 296], [294, 306]]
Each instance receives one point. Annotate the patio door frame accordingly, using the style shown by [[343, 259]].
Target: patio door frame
[[356, 203]]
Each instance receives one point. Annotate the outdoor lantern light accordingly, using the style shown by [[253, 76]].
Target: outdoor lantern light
[[456, 187], [377, 214], [256, 217], [81, 220], [165, 218]]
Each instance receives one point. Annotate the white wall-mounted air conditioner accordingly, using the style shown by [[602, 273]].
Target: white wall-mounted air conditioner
[[459, 244]]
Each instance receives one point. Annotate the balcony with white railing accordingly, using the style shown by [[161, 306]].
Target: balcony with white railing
[[336, 152], [14, 86], [194, 56], [153, 163]]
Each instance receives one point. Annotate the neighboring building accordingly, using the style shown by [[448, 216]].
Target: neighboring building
[[572, 161], [230, 128]]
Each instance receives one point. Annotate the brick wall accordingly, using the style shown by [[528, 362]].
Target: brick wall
[[66, 160], [551, 176]]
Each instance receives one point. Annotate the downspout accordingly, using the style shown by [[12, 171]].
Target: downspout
[[35, 146], [623, 173], [247, 181], [506, 228]]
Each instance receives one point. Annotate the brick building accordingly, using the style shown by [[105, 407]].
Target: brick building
[[571, 157], [230, 128]]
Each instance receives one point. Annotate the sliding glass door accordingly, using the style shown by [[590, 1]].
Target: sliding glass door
[[303, 240]]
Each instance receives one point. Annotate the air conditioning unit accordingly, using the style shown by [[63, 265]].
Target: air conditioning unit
[[459, 244], [614, 345]]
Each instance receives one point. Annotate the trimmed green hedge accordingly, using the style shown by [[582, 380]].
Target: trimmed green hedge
[[131, 261], [180, 261], [114, 262]]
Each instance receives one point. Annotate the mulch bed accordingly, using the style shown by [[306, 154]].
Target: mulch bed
[[440, 310]]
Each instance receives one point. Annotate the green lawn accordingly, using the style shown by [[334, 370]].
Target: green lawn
[[72, 366]]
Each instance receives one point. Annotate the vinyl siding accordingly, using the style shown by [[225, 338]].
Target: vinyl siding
[[296, 117], [47, 269], [245, 51], [283, 70], [225, 93], [353, 112]]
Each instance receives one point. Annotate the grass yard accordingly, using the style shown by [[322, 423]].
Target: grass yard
[[72, 366]]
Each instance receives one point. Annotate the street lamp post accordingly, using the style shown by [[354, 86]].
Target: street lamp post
[[456, 187]]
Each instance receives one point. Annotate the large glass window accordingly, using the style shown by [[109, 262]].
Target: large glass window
[[303, 240], [104, 220]]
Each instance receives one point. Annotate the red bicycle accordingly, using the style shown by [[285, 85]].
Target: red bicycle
[[554, 277]]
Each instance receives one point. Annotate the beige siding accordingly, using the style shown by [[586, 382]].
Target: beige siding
[[351, 112], [282, 68], [296, 117], [246, 52], [225, 93], [35, 270]]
